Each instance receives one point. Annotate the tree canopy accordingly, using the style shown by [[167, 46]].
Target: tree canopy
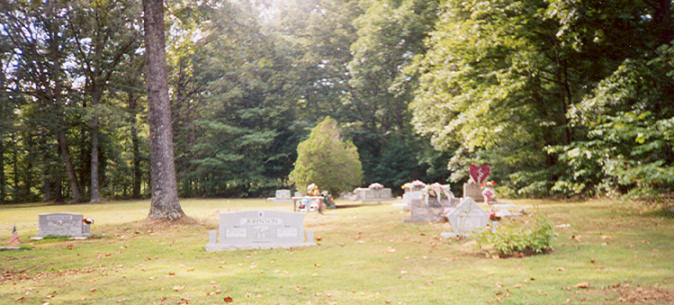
[[560, 98]]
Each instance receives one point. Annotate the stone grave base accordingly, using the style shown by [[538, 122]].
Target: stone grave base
[[84, 236], [210, 247]]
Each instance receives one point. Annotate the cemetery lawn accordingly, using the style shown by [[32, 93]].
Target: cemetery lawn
[[365, 255]]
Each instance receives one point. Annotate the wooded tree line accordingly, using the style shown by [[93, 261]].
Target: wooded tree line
[[560, 98]]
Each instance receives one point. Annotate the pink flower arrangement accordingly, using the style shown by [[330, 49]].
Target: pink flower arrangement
[[375, 186]]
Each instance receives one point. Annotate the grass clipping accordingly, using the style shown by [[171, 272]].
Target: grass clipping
[[518, 240]]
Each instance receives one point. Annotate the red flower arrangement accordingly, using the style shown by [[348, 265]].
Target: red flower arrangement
[[493, 217], [488, 184], [88, 220]]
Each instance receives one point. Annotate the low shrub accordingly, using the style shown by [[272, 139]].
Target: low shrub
[[517, 240]]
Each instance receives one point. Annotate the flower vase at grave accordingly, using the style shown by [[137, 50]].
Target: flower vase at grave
[[494, 224], [489, 195]]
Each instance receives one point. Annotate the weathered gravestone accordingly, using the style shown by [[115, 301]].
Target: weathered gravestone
[[281, 196], [262, 229], [368, 194], [421, 211], [472, 191], [62, 224], [467, 217]]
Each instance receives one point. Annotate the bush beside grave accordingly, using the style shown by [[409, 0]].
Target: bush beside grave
[[518, 240]]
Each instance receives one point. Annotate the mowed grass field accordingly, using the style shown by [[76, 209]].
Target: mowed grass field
[[365, 255]]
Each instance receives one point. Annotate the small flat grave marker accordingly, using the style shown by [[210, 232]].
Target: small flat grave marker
[[62, 224], [261, 229]]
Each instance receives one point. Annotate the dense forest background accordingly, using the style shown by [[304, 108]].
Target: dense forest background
[[561, 98]]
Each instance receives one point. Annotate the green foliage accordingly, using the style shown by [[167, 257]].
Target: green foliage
[[326, 160], [630, 122], [508, 241]]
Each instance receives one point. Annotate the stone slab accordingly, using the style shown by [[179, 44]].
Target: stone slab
[[259, 229], [367, 194], [473, 191], [62, 224], [281, 196]]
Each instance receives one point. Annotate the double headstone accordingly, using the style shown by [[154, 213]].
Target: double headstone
[[262, 229], [62, 224], [422, 210], [368, 194]]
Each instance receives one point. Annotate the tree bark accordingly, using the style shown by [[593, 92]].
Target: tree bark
[[2, 172], [67, 161], [164, 203], [93, 188], [137, 173]]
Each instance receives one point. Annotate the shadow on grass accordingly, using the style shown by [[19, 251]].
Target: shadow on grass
[[348, 206]]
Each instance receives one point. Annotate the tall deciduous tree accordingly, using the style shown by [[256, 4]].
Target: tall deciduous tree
[[164, 203], [106, 32]]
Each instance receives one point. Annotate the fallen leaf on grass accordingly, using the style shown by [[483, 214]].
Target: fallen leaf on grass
[[428, 283], [390, 250], [517, 286], [171, 273], [582, 285], [92, 290], [19, 299], [499, 285], [576, 237], [298, 289], [178, 288], [561, 269], [318, 238], [190, 269], [228, 299]]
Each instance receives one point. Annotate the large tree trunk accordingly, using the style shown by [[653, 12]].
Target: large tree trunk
[[137, 173], [2, 172], [164, 203], [93, 188], [67, 161]]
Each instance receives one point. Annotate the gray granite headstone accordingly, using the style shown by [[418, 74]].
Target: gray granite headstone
[[62, 224], [260, 229], [368, 194], [473, 191], [281, 196]]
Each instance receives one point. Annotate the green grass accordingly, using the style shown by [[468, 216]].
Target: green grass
[[366, 255]]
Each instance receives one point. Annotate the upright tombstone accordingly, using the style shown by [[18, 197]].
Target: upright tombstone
[[473, 191], [421, 212], [467, 217], [62, 224], [262, 229], [281, 196], [478, 175], [369, 194]]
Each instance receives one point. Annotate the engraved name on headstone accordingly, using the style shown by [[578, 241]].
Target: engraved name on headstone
[[62, 224], [261, 229]]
